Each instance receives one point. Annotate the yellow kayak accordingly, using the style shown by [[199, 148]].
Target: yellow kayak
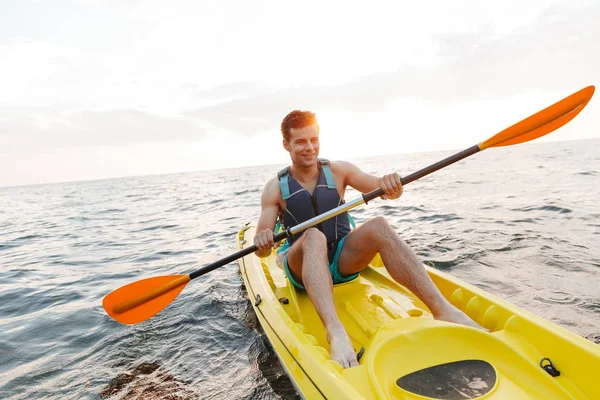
[[405, 353]]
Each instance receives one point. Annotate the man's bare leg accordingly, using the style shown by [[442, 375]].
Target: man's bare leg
[[376, 235], [308, 258]]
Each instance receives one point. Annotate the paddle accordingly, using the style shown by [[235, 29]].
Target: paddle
[[143, 299]]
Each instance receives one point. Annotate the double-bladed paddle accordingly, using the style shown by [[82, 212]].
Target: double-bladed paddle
[[138, 301]]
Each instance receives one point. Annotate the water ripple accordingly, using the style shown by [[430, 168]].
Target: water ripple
[[524, 233], [156, 227], [545, 208]]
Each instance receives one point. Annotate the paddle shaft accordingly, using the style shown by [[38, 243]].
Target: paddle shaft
[[364, 199]]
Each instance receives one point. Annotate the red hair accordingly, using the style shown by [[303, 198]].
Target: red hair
[[296, 120]]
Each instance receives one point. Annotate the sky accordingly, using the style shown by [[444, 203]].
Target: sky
[[94, 89]]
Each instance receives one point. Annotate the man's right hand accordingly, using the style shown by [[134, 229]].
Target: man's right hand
[[263, 240]]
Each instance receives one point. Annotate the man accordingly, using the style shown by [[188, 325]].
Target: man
[[332, 253]]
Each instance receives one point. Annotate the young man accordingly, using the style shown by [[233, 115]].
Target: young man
[[331, 252]]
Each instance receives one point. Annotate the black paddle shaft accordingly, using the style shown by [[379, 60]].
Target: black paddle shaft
[[235, 256], [426, 171]]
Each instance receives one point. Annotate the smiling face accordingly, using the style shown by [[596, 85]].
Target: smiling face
[[303, 146]]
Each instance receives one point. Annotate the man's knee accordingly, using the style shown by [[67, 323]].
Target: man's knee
[[380, 220], [380, 225], [314, 237], [380, 232]]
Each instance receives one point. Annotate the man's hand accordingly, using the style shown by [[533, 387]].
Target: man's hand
[[391, 186], [263, 240]]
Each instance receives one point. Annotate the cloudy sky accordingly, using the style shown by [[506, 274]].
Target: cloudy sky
[[95, 89]]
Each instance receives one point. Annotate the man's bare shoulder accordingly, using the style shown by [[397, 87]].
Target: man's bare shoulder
[[271, 193], [343, 167]]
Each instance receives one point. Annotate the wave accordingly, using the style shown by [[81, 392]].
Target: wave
[[111, 210], [247, 191], [28, 237], [559, 210], [157, 227], [437, 218], [80, 219]]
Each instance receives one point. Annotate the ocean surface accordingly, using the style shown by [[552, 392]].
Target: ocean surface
[[521, 222]]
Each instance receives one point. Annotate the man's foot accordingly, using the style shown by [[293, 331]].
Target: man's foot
[[453, 314], [341, 348]]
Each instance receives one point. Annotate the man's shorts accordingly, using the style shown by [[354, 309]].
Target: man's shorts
[[333, 265]]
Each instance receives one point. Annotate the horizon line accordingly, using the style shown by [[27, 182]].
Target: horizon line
[[255, 165]]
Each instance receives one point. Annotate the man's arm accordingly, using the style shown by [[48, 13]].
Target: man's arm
[[269, 203], [365, 183]]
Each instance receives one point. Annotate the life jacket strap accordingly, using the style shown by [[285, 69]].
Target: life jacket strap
[[327, 171], [284, 185]]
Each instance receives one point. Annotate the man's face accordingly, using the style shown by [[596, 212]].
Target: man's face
[[303, 146]]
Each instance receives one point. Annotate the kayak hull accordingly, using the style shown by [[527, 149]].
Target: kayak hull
[[406, 353]]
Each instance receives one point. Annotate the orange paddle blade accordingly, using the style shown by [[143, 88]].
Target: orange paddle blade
[[143, 299], [543, 122]]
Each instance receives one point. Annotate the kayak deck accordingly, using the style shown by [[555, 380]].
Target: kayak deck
[[407, 353]]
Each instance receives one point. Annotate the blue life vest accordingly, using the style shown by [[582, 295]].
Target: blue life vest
[[302, 206]]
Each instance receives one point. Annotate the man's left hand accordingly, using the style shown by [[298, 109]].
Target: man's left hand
[[391, 185]]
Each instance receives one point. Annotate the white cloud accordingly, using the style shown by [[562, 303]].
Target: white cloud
[[540, 64], [97, 73], [49, 130]]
